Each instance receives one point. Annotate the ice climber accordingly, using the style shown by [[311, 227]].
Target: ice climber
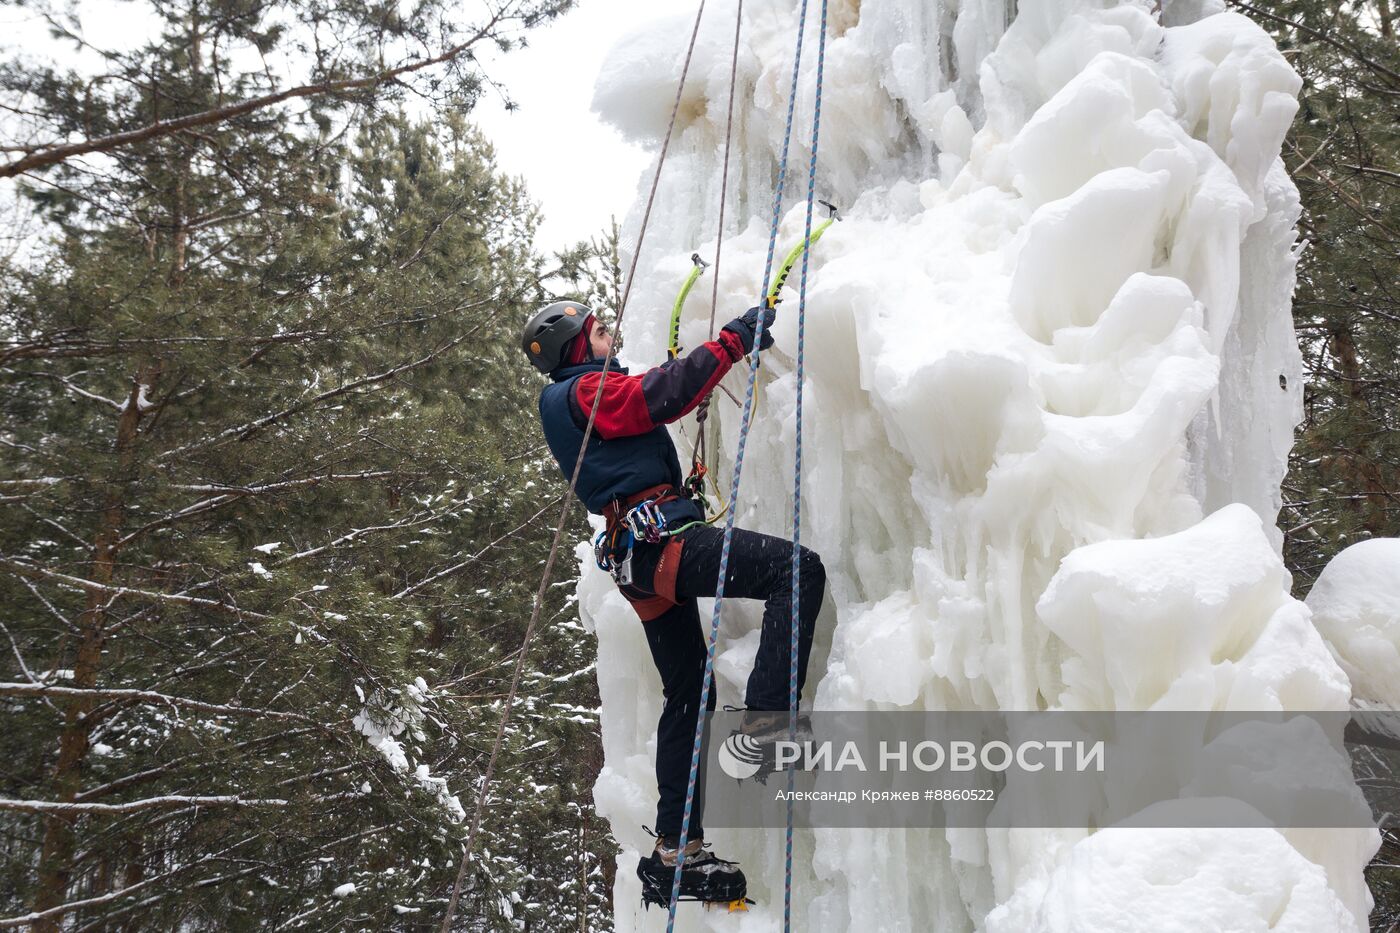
[[631, 460]]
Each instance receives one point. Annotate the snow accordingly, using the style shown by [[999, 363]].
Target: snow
[[1186, 620], [384, 720], [344, 890], [259, 569], [1044, 432], [142, 402], [1356, 606], [1141, 879], [269, 547]]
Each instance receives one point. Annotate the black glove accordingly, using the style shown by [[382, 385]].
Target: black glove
[[745, 327]]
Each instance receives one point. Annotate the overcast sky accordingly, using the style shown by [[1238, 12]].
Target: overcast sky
[[551, 81]]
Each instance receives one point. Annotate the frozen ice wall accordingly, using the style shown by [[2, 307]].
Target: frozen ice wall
[[1356, 606], [1051, 384]]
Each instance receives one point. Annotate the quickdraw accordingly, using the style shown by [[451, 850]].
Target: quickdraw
[[613, 554], [612, 548]]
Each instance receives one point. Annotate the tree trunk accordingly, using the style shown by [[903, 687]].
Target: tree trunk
[[1362, 474], [56, 860]]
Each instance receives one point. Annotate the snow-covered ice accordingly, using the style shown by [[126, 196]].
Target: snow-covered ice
[[1356, 605], [1052, 381]]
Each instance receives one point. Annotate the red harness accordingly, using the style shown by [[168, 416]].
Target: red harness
[[650, 605]]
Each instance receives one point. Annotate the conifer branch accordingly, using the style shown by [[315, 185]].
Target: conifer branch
[[147, 696], [55, 154], [173, 801], [410, 590], [243, 432], [116, 592], [1321, 37]]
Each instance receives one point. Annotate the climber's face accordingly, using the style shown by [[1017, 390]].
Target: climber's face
[[600, 340]]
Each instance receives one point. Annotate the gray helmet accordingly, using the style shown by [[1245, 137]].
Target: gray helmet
[[549, 332]]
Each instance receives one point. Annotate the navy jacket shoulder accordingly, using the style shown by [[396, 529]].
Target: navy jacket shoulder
[[612, 468]]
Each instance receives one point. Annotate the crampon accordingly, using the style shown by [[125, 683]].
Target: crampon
[[705, 878]]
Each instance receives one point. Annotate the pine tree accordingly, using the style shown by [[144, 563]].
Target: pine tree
[[275, 502]]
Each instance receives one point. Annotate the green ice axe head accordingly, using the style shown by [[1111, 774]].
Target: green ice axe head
[[673, 349], [833, 215]]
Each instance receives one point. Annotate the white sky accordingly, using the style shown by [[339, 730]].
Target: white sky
[[551, 81]]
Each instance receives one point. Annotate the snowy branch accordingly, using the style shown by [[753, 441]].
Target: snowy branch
[[150, 803], [408, 522], [1336, 44], [244, 431], [62, 345], [29, 918], [288, 484], [28, 570], [173, 891], [71, 386], [230, 494], [67, 623], [149, 774], [407, 591], [147, 696], [55, 154]]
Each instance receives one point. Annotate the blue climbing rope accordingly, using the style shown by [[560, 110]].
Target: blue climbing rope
[[754, 360], [797, 469]]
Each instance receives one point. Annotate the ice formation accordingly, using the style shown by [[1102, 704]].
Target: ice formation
[[1356, 605], [1051, 386]]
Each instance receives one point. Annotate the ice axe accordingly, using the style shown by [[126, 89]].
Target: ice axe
[[795, 253], [673, 348]]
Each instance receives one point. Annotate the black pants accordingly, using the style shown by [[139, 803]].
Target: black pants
[[760, 567]]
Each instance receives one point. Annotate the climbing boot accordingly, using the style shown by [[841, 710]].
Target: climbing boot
[[704, 877]]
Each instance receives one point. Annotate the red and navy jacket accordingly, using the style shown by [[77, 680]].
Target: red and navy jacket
[[629, 450]]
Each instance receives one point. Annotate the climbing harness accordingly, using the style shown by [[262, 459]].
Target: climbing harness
[[644, 521]]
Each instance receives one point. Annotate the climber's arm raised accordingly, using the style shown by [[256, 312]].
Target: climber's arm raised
[[637, 404]]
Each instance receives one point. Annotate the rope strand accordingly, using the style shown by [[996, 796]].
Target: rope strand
[[568, 498], [734, 485], [701, 451], [797, 467]]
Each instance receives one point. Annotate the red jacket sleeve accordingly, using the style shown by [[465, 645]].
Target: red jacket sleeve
[[637, 404]]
